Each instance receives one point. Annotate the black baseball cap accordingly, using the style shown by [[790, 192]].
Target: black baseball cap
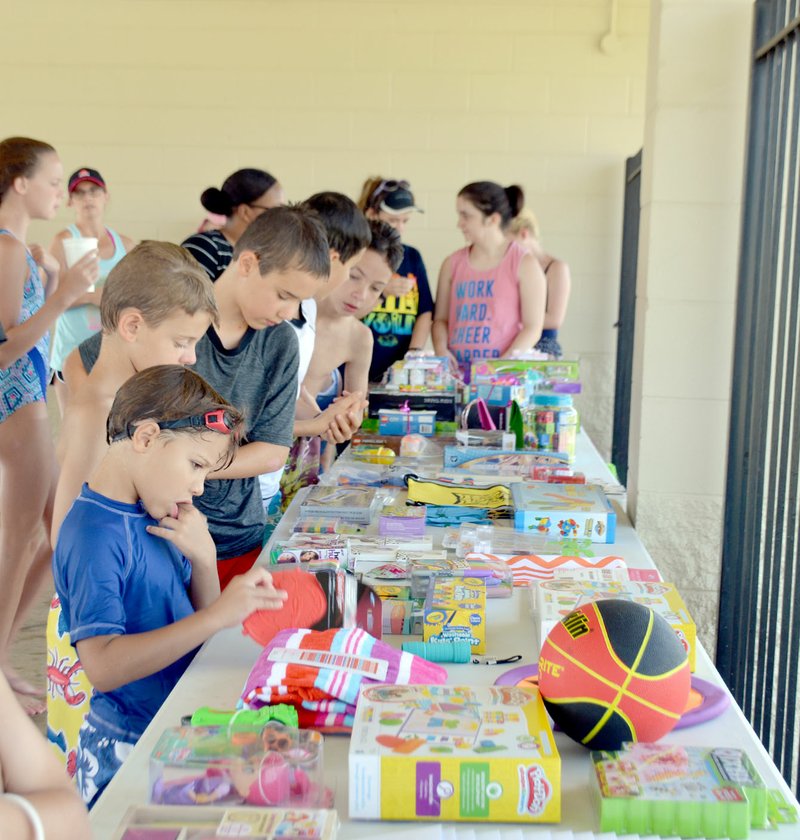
[[399, 200], [85, 174]]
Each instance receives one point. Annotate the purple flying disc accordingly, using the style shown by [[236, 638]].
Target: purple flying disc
[[712, 699]]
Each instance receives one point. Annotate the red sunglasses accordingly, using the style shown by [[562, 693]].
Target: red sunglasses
[[218, 421]]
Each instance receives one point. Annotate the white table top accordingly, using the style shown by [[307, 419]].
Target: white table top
[[218, 673]]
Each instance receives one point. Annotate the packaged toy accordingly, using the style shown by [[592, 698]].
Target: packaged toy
[[198, 765], [448, 753]]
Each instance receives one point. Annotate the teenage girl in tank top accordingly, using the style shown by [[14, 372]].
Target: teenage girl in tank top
[[491, 296]]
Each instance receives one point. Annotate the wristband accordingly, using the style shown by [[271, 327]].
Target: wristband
[[30, 812]]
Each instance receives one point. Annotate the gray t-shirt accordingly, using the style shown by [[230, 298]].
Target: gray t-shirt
[[259, 377]]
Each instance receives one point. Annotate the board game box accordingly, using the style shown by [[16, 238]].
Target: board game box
[[563, 511], [350, 503], [677, 790], [445, 753], [555, 599]]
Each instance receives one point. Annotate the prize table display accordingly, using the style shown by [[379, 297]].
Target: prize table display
[[218, 673]]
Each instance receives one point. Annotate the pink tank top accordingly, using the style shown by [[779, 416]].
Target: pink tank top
[[484, 306]]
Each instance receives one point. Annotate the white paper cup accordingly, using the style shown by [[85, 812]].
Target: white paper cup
[[75, 248]]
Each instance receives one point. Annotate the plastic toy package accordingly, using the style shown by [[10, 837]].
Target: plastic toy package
[[496, 575], [199, 765], [681, 790], [162, 822]]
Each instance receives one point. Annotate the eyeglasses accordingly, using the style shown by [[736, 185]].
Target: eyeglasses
[[218, 421]]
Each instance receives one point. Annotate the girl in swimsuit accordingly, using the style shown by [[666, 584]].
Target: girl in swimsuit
[[524, 228], [30, 188]]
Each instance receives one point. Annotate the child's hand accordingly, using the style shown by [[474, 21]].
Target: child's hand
[[78, 279], [245, 594], [343, 417], [398, 286], [188, 532]]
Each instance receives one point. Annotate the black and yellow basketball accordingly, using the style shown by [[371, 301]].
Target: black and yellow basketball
[[614, 671]]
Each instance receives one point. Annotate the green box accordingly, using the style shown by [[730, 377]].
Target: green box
[[667, 789]]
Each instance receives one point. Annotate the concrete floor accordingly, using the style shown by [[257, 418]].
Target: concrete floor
[[29, 655]]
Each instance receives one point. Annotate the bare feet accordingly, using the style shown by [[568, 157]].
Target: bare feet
[[32, 705], [19, 684]]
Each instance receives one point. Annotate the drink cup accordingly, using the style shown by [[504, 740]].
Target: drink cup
[[76, 248]]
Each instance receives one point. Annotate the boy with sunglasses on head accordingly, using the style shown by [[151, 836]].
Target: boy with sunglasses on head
[[135, 565]]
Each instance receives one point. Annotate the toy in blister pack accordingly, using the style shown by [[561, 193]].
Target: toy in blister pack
[[165, 822], [278, 766]]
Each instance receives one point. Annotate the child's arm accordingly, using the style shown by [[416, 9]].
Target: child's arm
[[81, 445], [28, 768], [422, 326], [114, 661], [341, 413], [559, 284], [421, 331], [359, 357], [440, 331], [532, 297], [253, 459], [20, 338]]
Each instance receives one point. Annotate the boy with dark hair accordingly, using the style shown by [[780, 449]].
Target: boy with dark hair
[[348, 235], [251, 358], [341, 339], [135, 567]]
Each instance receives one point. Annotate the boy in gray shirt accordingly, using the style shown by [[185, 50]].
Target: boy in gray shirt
[[250, 357]]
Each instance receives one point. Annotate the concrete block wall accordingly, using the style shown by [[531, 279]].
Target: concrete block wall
[[167, 97], [692, 177]]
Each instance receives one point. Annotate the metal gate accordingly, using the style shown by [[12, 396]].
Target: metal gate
[[758, 648], [626, 317]]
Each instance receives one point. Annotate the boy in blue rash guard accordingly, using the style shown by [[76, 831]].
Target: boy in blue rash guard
[[135, 565]]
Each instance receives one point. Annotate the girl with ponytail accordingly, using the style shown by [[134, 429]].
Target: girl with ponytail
[[244, 195], [490, 300]]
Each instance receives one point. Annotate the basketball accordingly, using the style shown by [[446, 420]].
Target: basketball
[[614, 671]]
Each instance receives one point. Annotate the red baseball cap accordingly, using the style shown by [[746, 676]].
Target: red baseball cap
[[81, 175]]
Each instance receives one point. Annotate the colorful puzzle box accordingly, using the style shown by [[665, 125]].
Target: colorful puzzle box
[[444, 753], [677, 790], [555, 599], [564, 511]]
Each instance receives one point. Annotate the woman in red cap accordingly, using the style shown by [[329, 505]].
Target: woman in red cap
[[88, 196]]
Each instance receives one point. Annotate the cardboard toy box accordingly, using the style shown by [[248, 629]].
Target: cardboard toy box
[[555, 599], [677, 790], [445, 753], [164, 822], [445, 404], [351, 503], [455, 611], [564, 511], [395, 421]]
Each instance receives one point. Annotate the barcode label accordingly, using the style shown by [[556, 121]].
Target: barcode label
[[375, 669]]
